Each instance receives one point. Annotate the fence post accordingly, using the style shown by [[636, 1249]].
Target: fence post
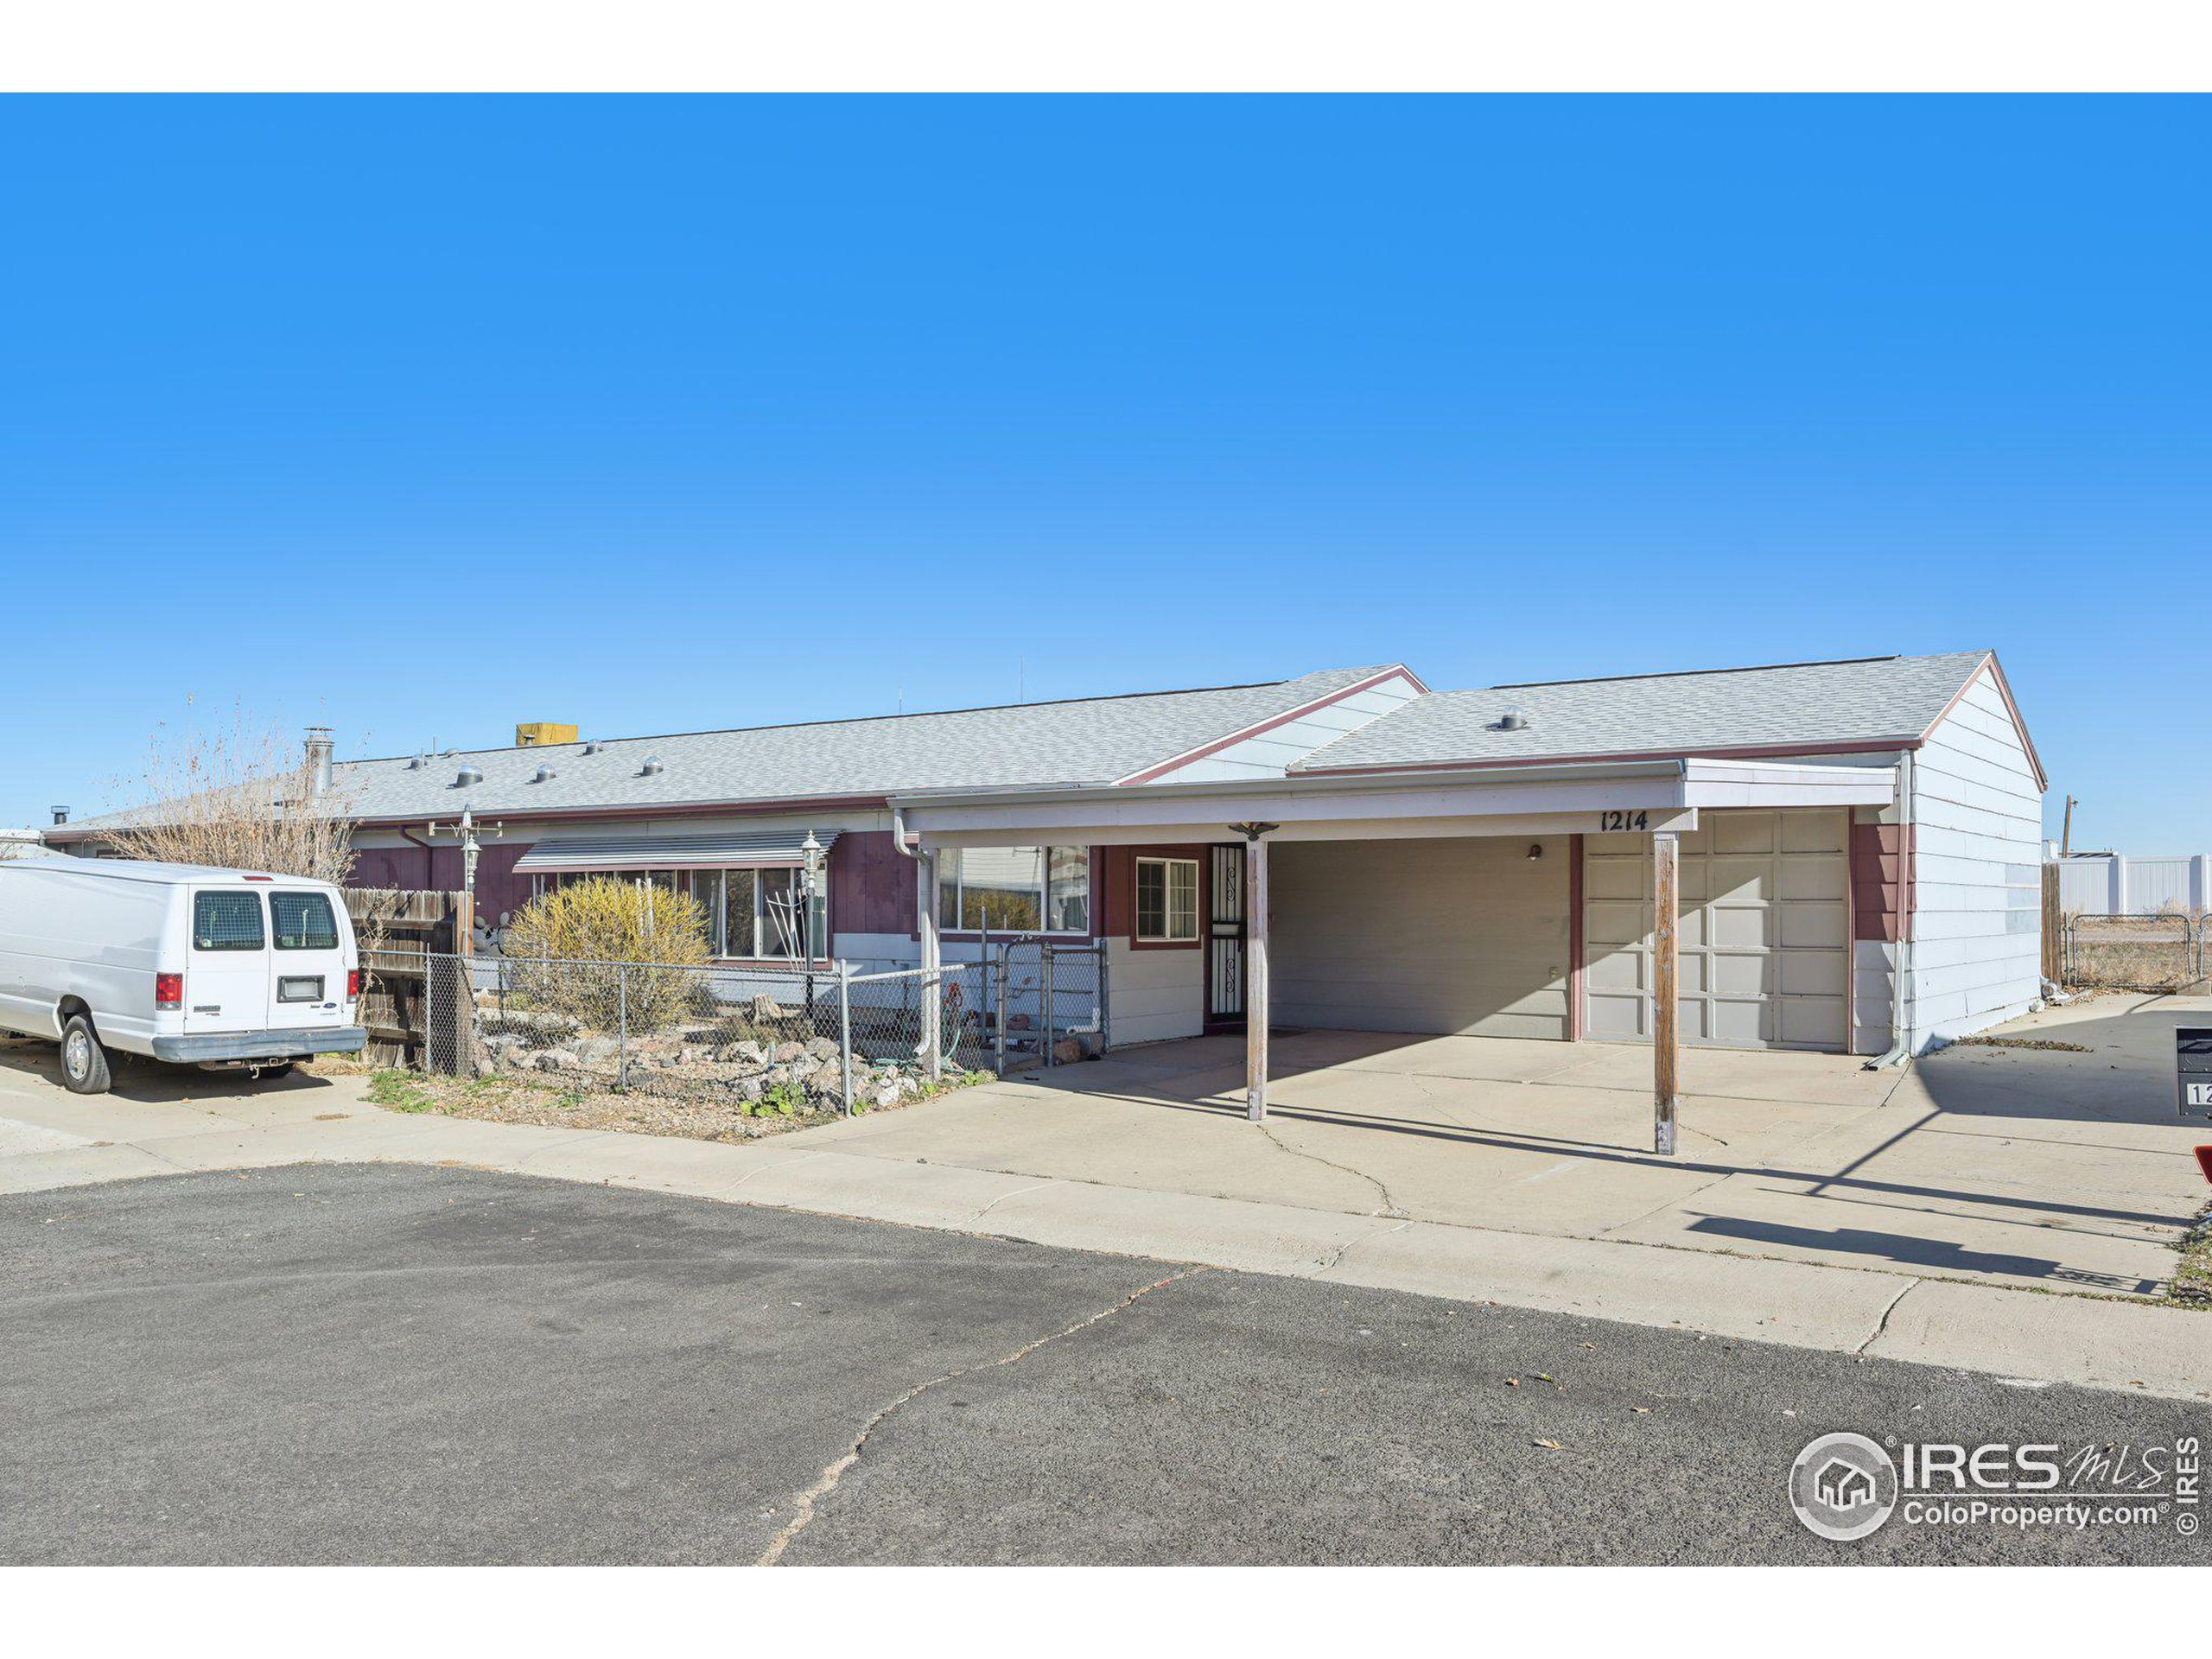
[[622, 1024], [998, 1001], [845, 1032], [1044, 986]]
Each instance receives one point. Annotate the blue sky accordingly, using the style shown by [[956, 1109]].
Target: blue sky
[[421, 418]]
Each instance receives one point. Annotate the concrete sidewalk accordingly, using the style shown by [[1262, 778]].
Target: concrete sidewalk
[[1327, 1221]]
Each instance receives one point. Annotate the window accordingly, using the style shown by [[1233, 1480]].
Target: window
[[302, 921], [1067, 890], [756, 912], [227, 921], [1167, 901], [748, 912], [1014, 889]]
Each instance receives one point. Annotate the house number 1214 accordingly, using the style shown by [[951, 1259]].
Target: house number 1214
[[1624, 821]]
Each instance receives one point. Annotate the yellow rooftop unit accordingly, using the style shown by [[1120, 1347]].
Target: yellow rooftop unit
[[540, 733]]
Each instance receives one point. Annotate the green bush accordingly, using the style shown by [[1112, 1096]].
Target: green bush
[[553, 946]]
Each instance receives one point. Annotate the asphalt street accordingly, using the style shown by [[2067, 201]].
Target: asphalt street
[[397, 1364]]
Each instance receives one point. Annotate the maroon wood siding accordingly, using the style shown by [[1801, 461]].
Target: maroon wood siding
[[391, 867], [1881, 883], [499, 889], [871, 885]]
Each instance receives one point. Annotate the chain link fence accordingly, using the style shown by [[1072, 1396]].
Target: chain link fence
[[1048, 1004], [789, 1040], [2166, 951]]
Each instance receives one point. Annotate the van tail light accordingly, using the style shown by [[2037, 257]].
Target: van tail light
[[352, 984], [168, 992]]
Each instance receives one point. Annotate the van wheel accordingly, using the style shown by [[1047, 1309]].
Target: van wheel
[[83, 1062]]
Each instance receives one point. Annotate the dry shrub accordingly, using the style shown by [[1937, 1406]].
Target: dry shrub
[[2135, 953], [238, 797], [560, 949]]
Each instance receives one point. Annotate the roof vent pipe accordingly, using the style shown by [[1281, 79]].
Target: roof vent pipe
[[593, 747], [545, 774], [1515, 719], [467, 776], [652, 768], [318, 747], [416, 764], [60, 815]]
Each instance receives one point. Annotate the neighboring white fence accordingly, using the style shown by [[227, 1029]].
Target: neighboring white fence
[[2110, 884]]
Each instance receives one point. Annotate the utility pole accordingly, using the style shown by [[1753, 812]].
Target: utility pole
[[2066, 834]]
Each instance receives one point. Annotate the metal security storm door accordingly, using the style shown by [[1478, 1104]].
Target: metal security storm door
[[1225, 938]]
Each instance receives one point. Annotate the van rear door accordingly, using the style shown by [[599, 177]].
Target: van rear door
[[226, 980], [307, 982]]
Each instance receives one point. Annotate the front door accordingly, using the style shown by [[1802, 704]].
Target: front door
[[1225, 936]]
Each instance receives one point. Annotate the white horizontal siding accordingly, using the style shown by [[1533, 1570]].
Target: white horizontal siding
[[1270, 752], [1874, 964], [1153, 995], [1977, 872]]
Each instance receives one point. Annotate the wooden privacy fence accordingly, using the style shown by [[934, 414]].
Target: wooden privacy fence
[[398, 931]]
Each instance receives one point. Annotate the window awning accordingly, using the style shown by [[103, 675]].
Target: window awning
[[755, 848]]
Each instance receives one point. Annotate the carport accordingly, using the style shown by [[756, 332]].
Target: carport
[[1560, 819]]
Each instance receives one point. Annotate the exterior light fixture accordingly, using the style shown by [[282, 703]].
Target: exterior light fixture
[[1536, 849]]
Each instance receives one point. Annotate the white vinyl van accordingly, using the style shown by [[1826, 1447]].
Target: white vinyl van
[[221, 968]]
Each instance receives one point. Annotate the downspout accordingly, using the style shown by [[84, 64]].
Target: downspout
[[430, 858], [1901, 998]]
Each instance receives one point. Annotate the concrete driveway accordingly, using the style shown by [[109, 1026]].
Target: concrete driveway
[[2061, 1168], [1919, 1216]]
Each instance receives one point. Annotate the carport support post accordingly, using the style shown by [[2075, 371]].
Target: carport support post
[[932, 1049], [1666, 978], [1255, 978]]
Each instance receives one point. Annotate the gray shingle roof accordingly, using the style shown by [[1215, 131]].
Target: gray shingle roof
[[1093, 740], [1882, 698]]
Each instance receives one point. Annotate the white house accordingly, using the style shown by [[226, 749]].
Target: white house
[[1836, 855]]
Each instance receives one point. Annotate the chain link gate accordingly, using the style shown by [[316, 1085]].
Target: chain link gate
[[1045, 995]]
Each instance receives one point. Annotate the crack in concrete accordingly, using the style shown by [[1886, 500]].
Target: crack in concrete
[[1350, 1244], [1390, 1204], [826, 1482], [1883, 1323], [1017, 1192]]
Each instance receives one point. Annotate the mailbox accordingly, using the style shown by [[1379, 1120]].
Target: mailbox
[[2193, 1067]]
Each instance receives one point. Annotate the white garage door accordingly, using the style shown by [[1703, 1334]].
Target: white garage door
[[1765, 931]]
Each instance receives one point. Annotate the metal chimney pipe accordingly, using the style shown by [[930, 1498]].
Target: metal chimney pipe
[[61, 814], [319, 748]]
